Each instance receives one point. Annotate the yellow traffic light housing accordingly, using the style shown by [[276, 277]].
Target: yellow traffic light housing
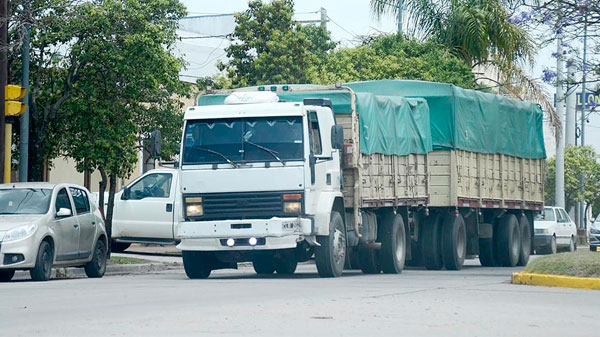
[[12, 95]]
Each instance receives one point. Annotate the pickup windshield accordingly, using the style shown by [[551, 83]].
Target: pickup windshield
[[234, 140], [25, 200]]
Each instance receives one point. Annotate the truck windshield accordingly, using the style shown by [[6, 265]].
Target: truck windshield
[[25, 200], [259, 139]]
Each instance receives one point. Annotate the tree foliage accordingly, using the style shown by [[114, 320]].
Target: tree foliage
[[579, 160], [269, 47], [394, 57]]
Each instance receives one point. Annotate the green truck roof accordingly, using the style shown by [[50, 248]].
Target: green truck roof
[[401, 117]]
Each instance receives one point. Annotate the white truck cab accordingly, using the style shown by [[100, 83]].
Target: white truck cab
[[258, 182]]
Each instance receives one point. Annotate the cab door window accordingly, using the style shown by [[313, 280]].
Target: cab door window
[[80, 198], [62, 200], [314, 133], [155, 185]]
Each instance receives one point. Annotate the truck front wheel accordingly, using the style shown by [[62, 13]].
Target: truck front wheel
[[196, 264], [331, 253]]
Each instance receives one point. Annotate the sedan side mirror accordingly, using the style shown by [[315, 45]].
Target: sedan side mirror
[[63, 213], [126, 194], [337, 137]]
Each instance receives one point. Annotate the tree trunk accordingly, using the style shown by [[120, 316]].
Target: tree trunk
[[101, 189], [111, 203]]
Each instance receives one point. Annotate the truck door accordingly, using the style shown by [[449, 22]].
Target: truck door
[[318, 167], [148, 212]]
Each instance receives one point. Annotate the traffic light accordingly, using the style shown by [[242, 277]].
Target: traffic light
[[12, 105]]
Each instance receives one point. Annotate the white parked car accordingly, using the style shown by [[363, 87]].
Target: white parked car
[[43, 225], [554, 229]]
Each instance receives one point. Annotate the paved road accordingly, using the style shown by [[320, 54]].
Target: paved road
[[473, 302]]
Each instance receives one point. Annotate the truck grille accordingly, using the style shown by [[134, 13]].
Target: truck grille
[[245, 205]]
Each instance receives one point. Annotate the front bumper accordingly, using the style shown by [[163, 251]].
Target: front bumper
[[274, 233], [25, 250], [541, 240], [594, 241]]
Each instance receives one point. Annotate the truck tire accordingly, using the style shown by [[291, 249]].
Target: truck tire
[[486, 253], [507, 244], [286, 266], [196, 264], [369, 260], [525, 241], [432, 254], [119, 247], [393, 244], [264, 265], [331, 254], [454, 241]]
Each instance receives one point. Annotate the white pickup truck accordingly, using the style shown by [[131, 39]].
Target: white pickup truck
[[145, 210]]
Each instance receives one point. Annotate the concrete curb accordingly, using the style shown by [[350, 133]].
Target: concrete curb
[[556, 281]]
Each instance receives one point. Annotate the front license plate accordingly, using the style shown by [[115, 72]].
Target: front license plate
[[290, 226], [598, 249]]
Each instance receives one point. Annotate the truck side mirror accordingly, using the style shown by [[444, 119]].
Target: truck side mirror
[[126, 194], [337, 137]]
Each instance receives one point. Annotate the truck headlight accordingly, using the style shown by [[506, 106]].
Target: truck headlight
[[292, 203], [194, 206], [292, 207], [19, 233]]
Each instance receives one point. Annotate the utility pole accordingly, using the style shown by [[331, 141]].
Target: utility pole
[[571, 105], [582, 215], [400, 14], [3, 76], [324, 20], [24, 122], [559, 188]]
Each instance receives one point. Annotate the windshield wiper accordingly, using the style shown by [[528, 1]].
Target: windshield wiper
[[266, 149], [218, 154]]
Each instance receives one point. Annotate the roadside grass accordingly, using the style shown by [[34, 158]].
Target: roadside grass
[[579, 264], [126, 260]]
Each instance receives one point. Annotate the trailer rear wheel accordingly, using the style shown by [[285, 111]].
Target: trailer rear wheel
[[393, 244], [196, 264], [486, 253], [432, 253], [454, 241], [369, 260], [525, 241], [507, 245], [331, 255], [263, 265]]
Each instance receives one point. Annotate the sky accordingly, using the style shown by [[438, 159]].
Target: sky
[[348, 20]]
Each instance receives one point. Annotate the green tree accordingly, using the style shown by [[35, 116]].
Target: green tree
[[579, 160], [394, 57], [127, 90], [269, 47]]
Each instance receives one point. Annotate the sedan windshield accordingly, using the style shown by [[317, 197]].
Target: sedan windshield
[[236, 140], [25, 200], [547, 215]]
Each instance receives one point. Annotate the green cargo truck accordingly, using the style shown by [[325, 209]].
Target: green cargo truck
[[366, 174]]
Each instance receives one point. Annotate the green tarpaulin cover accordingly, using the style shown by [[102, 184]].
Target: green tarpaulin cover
[[401, 117]]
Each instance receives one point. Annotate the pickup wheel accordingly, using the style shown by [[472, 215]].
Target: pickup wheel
[[393, 244], [6, 274], [263, 265], [507, 245], [432, 233], [331, 255], [525, 241], [454, 241], [197, 265], [119, 247]]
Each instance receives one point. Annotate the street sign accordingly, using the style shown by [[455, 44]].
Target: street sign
[[592, 99]]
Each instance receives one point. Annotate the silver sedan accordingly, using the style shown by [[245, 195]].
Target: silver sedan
[[43, 225]]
